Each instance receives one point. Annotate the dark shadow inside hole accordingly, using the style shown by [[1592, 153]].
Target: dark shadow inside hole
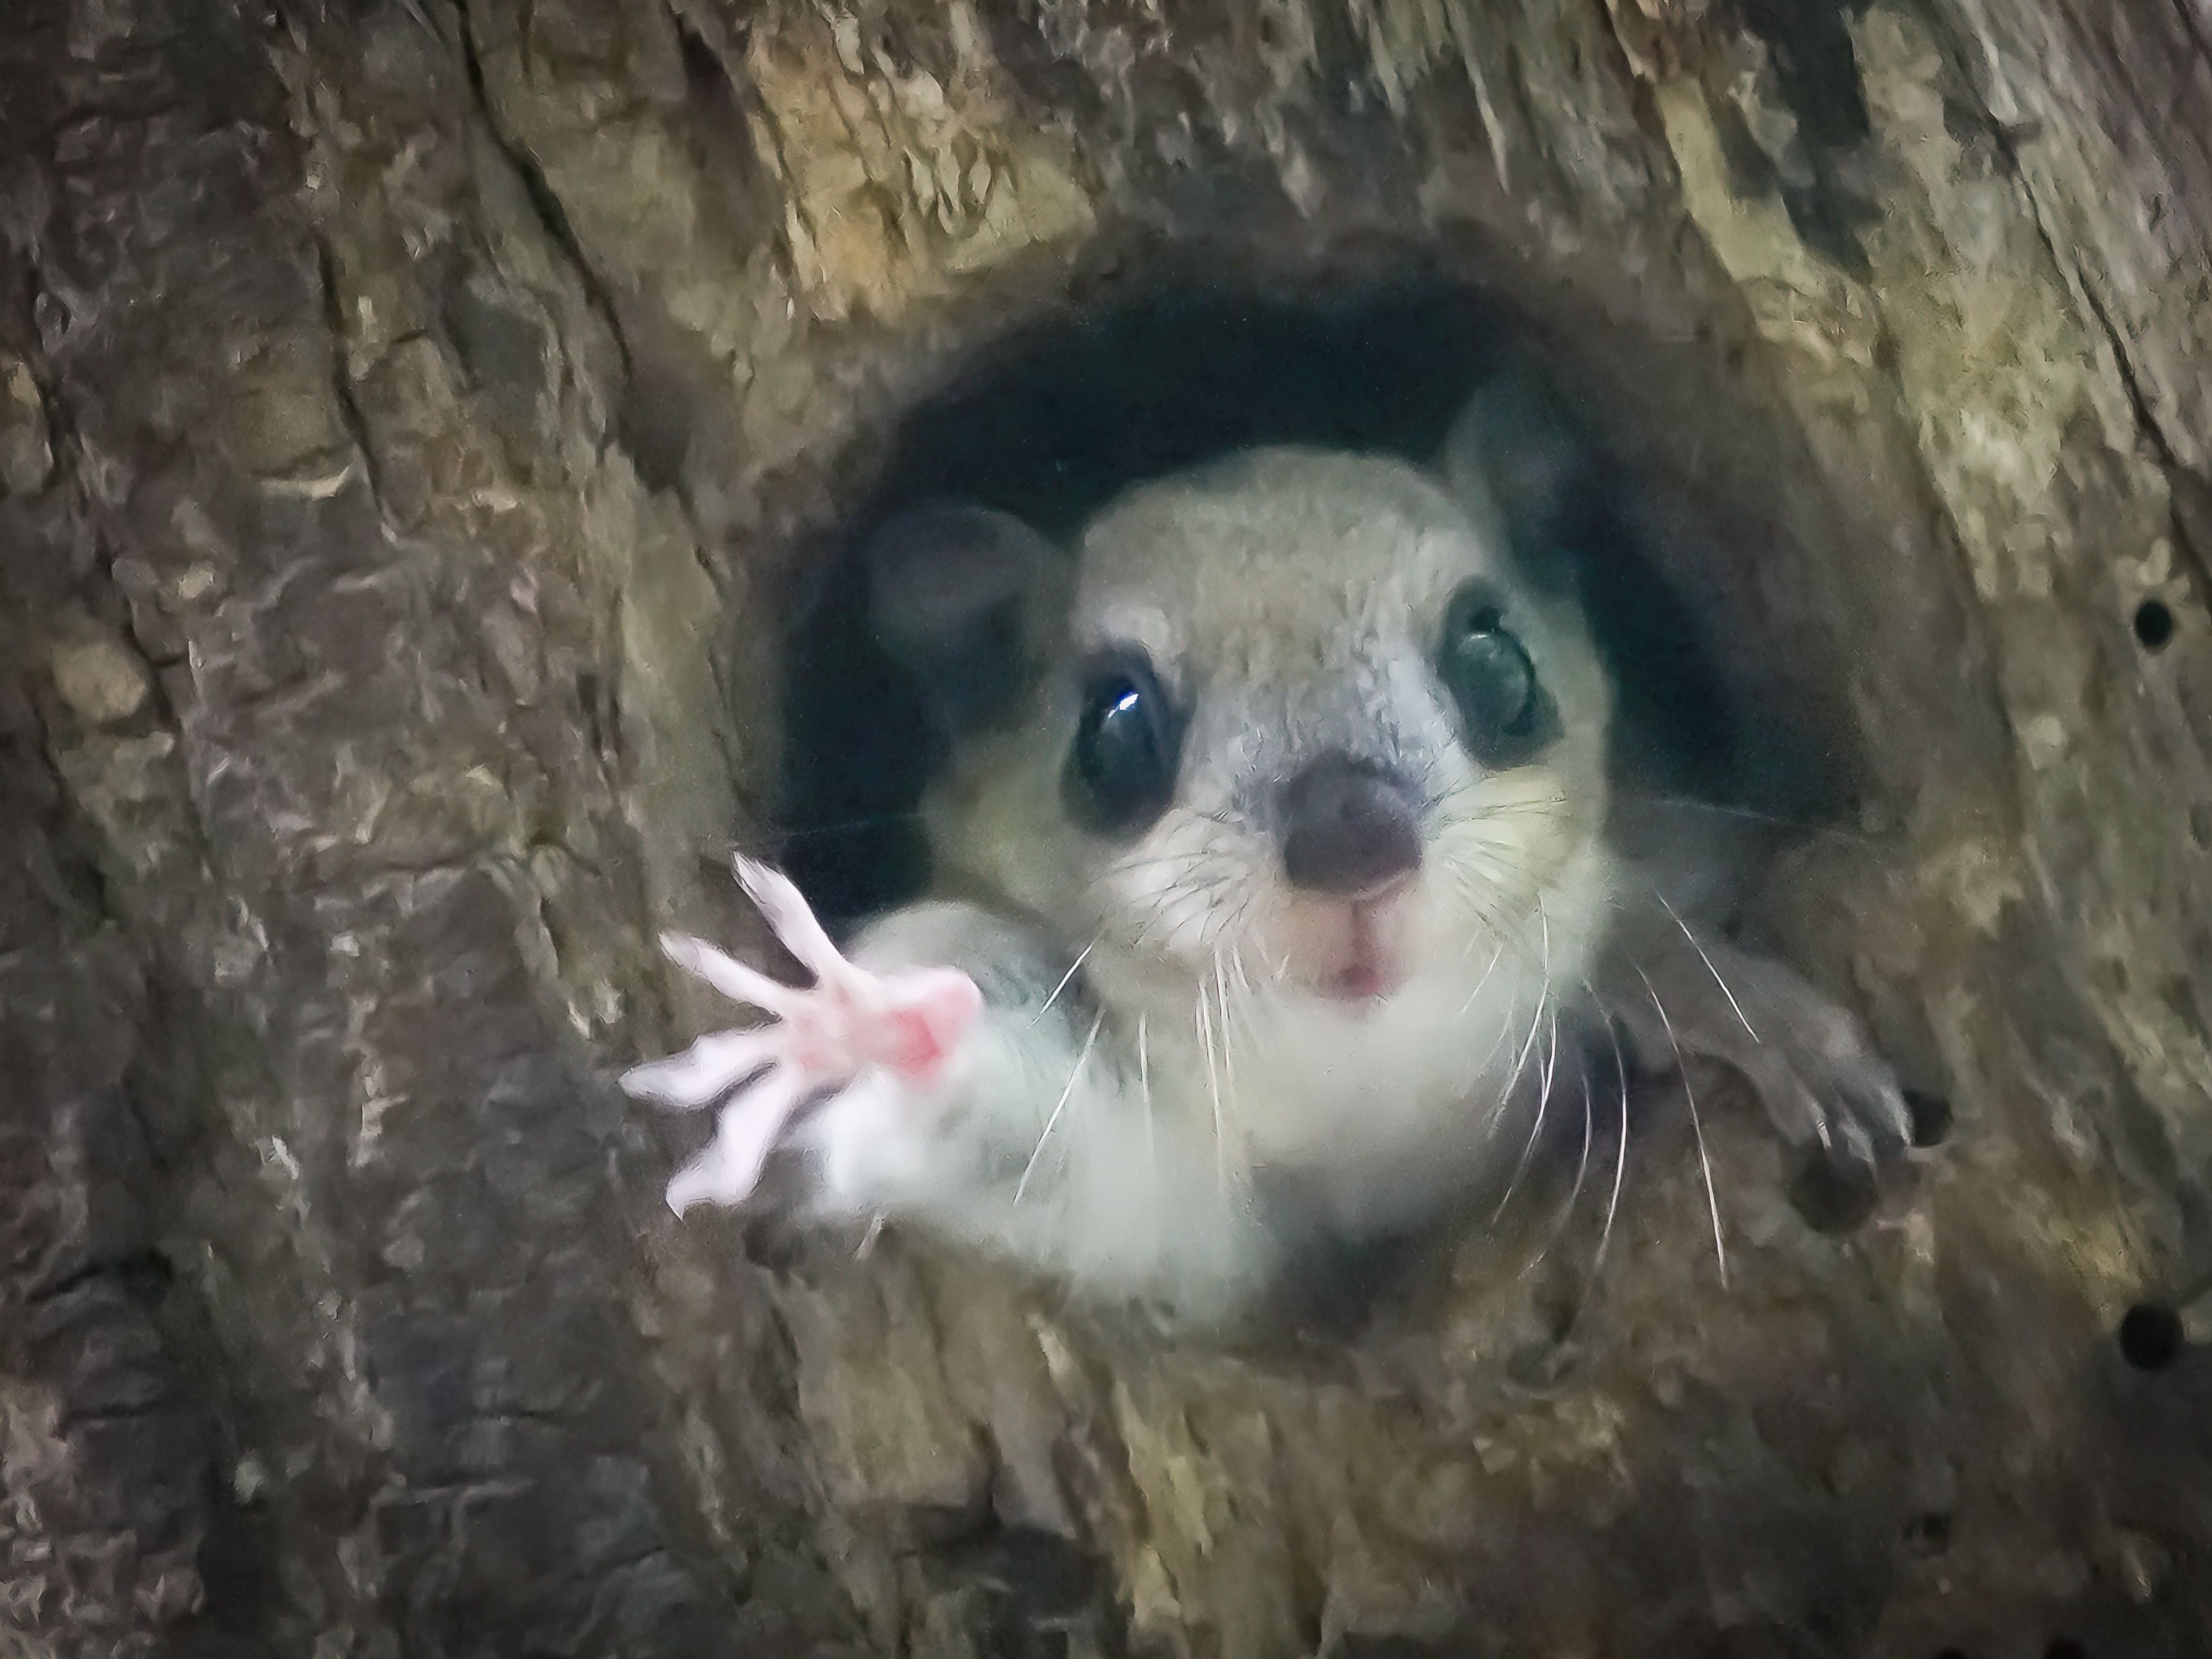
[[1931, 1118], [2154, 624], [2065, 1648], [1928, 1535], [1834, 1195], [1052, 423], [2151, 1337]]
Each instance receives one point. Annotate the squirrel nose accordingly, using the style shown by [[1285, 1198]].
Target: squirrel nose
[[1349, 827]]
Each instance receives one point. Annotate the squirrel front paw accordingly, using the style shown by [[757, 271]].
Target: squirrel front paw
[[1829, 1091], [818, 1040]]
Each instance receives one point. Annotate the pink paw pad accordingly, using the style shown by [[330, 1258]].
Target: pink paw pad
[[920, 1036], [820, 1038]]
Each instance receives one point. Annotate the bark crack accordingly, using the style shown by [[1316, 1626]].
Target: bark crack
[[341, 387], [130, 1267], [2192, 27], [537, 190]]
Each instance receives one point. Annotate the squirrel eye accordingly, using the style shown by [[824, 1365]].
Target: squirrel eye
[[1491, 677], [1121, 771]]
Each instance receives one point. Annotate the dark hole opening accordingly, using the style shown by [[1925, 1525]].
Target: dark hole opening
[[2154, 624], [1928, 1535], [1834, 1195], [2151, 1337], [2065, 1648], [1931, 1118], [1057, 420]]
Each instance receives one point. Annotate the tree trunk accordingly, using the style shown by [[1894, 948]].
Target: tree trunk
[[409, 410]]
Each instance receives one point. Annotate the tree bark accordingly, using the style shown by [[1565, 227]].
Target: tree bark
[[409, 410]]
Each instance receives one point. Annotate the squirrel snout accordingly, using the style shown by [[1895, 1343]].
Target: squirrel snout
[[1349, 827]]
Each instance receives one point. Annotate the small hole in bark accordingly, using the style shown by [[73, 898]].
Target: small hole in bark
[[2065, 1648], [1928, 1535], [2151, 1337], [587, 700], [2154, 624], [1834, 1196], [1931, 1118]]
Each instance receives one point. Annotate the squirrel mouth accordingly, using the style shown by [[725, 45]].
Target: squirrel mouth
[[1363, 981], [1366, 969]]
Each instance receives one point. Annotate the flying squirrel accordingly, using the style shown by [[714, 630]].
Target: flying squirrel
[[1279, 879]]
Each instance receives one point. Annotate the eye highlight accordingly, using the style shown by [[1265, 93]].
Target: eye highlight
[[1492, 679], [1121, 769]]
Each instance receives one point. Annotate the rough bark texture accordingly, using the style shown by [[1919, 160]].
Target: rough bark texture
[[404, 405]]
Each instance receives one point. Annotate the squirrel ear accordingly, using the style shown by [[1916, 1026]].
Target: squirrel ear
[[1517, 449], [971, 602]]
